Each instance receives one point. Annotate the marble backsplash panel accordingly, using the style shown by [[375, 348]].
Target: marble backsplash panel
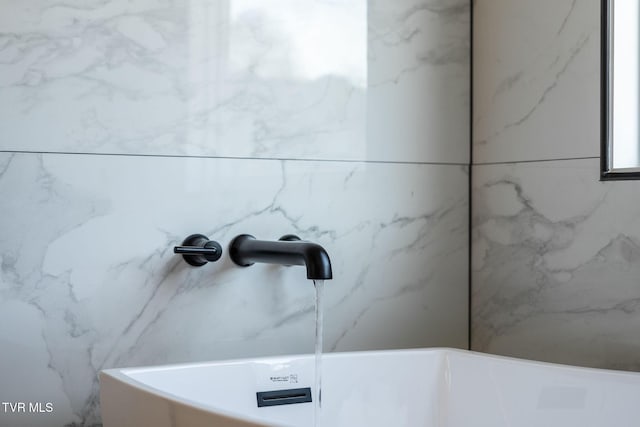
[[536, 80], [238, 78], [291, 79], [89, 281], [556, 264], [419, 80]]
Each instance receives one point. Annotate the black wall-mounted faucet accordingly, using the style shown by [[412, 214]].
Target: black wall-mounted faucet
[[245, 250]]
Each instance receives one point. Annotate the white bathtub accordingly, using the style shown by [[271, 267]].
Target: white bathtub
[[428, 387]]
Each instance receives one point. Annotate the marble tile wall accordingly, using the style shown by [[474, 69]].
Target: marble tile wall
[[130, 125], [554, 250], [536, 80], [241, 78], [419, 80], [556, 264]]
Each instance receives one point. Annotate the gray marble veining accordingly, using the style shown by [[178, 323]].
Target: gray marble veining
[[293, 79], [536, 80], [129, 125], [555, 264], [89, 281], [419, 57], [225, 78]]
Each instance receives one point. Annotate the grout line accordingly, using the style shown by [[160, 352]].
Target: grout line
[[180, 156], [534, 161], [470, 185]]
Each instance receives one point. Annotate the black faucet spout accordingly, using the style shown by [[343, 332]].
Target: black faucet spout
[[246, 250]]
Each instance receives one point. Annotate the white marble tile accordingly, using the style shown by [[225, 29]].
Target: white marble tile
[[241, 78], [88, 279], [308, 79], [536, 80], [555, 264], [419, 80]]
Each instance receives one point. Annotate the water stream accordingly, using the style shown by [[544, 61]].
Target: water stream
[[317, 397]]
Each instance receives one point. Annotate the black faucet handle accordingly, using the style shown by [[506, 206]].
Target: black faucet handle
[[197, 250]]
